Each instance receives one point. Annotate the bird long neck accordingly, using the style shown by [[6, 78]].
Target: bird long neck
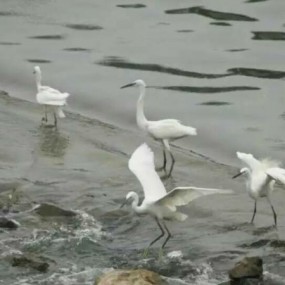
[[141, 119], [135, 204], [38, 80]]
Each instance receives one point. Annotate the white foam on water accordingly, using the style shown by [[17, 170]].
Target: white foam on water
[[65, 277], [90, 228], [275, 277]]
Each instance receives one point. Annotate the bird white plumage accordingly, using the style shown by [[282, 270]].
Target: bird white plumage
[[157, 202], [261, 177], [163, 130], [51, 98]]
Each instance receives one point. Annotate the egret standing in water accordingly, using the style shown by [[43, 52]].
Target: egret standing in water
[[51, 98], [163, 130], [261, 177], [157, 202]]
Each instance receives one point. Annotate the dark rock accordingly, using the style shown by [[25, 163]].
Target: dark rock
[[246, 281], [8, 223], [131, 277], [249, 267], [49, 210], [29, 261]]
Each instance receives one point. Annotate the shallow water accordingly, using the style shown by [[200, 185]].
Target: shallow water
[[219, 64]]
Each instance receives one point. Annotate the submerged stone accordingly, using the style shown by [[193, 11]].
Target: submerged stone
[[50, 210], [131, 277], [249, 267], [29, 261], [8, 223]]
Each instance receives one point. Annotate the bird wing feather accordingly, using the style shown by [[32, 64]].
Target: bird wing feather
[[249, 160], [141, 164], [277, 174], [183, 195], [51, 96], [168, 128]]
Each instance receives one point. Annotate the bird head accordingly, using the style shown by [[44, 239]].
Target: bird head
[[37, 70], [130, 197], [244, 170], [138, 83]]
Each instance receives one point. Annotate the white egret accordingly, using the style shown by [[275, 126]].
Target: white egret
[[157, 202], [261, 177], [163, 130], [51, 98]]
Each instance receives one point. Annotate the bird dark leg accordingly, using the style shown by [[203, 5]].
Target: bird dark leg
[[163, 167], [274, 213], [168, 235], [172, 164], [55, 119], [254, 212], [45, 118], [160, 236], [156, 239]]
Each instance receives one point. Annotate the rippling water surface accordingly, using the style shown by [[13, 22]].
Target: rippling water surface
[[215, 65]]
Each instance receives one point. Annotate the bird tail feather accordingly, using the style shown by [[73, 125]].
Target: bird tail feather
[[60, 113], [190, 131], [180, 217]]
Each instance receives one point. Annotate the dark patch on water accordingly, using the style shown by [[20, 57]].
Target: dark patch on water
[[220, 24], [52, 143], [163, 24], [77, 49], [84, 27], [193, 89], [237, 49], [280, 244], [253, 1], [121, 63], [185, 31], [259, 73], [200, 10], [215, 103], [48, 37], [252, 129], [8, 13], [38, 60], [269, 36], [10, 43], [131, 5]]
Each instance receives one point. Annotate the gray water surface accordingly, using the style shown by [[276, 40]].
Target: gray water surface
[[215, 65]]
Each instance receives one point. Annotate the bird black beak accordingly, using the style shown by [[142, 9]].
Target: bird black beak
[[237, 175], [124, 203], [128, 85]]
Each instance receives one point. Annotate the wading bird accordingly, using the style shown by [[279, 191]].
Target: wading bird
[[261, 177], [50, 98], [157, 202], [163, 130]]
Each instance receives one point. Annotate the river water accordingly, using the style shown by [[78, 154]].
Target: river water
[[215, 65]]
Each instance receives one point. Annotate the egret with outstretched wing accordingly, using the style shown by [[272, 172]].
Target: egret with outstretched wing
[[261, 177], [157, 202]]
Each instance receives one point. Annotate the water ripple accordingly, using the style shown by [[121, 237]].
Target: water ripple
[[259, 73], [121, 63], [194, 89], [131, 5], [84, 27], [200, 10], [271, 36]]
